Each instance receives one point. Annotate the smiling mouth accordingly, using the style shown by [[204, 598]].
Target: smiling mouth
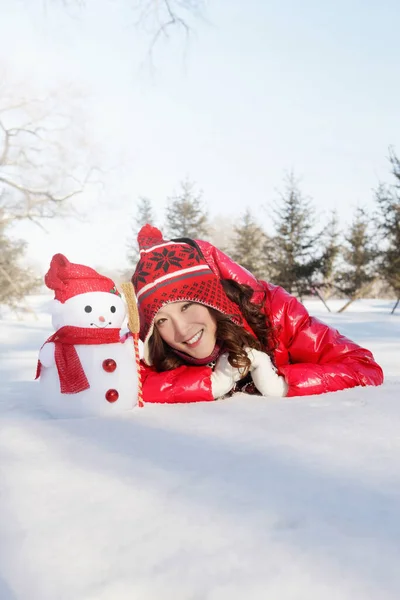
[[100, 326], [193, 340]]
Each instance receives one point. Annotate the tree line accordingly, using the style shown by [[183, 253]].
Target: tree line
[[45, 163], [301, 255]]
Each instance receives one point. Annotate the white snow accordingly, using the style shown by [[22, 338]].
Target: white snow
[[255, 498]]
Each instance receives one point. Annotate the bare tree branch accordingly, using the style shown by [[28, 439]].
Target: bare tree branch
[[43, 162], [6, 147], [156, 17], [164, 26]]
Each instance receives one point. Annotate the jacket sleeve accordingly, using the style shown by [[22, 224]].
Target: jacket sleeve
[[318, 358], [184, 384], [313, 357]]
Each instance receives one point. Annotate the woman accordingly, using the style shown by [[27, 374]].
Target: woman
[[209, 328]]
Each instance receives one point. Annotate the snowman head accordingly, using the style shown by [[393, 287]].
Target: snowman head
[[96, 310], [83, 297]]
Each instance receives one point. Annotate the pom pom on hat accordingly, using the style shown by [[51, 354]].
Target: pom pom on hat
[[69, 279], [149, 236]]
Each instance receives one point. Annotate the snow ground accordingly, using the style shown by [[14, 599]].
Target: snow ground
[[256, 498]]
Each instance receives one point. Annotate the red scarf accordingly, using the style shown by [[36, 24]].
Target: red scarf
[[70, 371]]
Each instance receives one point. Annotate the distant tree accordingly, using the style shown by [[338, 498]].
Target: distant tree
[[359, 254], [294, 254], [221, 232], [143, 214], [186, 215], [327, 272], [248, 245], [40, 170], [388, 202], [16, 281], [43, 167]]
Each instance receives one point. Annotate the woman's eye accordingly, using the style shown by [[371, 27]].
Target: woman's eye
[[88, 309], [186, 306], [160, 322], [113, 309]]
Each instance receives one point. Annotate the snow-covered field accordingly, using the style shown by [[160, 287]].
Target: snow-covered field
[[247, 498]]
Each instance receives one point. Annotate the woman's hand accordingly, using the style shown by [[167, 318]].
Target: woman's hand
[[264, 374], [224, 377]]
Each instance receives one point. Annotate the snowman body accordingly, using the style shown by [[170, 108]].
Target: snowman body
[[110, 368]]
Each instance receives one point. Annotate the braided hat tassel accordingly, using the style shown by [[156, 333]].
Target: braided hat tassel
[[134, 327]]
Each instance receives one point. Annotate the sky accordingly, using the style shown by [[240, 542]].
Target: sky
[[247, 497], [258, 89]]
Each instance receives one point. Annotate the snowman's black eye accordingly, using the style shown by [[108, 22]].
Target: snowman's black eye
[[113, 309], [88, 309]]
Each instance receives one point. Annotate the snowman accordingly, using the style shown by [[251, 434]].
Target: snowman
[[85, 367]]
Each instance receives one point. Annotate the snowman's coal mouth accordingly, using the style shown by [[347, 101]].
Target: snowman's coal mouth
[[100, 326]]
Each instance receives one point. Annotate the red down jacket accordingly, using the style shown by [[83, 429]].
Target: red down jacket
[[313, 357]]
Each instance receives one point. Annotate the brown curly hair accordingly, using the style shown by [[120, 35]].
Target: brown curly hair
[[234, 339]]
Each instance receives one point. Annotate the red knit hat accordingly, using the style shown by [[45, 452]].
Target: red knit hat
[[69, 279], [170, 271]]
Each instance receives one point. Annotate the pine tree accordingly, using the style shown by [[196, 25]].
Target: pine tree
[[221, 232], [331, 253], [388, 201], [185, 214], [359, 254], [143, 214], [293, 255], [249, 246]]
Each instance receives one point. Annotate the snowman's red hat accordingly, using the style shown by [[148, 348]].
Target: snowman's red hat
[[69, 279]]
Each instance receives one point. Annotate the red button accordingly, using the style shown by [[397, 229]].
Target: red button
[[112, 395], [109, 365]]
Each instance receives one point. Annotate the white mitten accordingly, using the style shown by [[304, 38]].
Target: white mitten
[[264, 374], [224, 377], [46, 355]]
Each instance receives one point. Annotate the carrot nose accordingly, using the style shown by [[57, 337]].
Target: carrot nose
[[101, 319]]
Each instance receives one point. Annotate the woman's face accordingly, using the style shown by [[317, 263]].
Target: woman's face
[[188, 327]]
